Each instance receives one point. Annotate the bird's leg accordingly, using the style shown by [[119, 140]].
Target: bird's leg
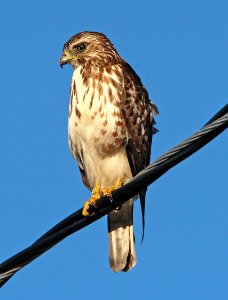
[[108, 191], [96, 194]]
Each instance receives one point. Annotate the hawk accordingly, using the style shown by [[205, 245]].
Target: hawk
[[109, 131]]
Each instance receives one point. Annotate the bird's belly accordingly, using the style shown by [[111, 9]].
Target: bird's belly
[[96, 140], [97, 132], [105, 170]]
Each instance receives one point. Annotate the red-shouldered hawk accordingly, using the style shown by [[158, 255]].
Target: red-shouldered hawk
[[110, 131]]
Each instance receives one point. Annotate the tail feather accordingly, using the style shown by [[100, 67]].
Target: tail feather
[[122, 255]]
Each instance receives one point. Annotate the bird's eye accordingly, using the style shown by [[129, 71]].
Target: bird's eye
[[80, 47]]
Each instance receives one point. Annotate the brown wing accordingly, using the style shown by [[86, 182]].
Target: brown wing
[[138, 112]]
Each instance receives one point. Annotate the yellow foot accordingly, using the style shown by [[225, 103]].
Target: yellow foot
[[96, 194], [118, 184]]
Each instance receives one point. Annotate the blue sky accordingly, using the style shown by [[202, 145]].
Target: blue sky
[[179, 49]]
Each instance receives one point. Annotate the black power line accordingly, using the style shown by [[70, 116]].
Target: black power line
[[77, 221]]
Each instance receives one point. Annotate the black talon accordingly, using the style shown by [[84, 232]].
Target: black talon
[[92, 210], [110, 199], [118, 207]]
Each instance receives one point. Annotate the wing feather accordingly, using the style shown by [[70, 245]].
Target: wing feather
[[138, 112]]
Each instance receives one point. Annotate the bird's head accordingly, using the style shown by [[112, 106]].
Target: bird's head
[[93, 47]]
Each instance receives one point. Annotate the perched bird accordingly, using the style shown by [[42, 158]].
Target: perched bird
[[110, 130]]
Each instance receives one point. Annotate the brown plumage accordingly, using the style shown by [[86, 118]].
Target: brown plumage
[[110, 129]]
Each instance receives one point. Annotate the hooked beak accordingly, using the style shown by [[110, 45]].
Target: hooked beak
[[64, 59]]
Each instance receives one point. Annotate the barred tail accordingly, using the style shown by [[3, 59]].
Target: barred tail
[[122, 255]]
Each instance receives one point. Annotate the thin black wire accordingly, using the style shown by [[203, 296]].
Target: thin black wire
[[206, 128], [76, 221]]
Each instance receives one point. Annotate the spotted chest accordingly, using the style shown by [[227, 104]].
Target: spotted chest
[[95, 117]]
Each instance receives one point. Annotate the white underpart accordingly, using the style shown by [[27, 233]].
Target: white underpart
[[100, 167]]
